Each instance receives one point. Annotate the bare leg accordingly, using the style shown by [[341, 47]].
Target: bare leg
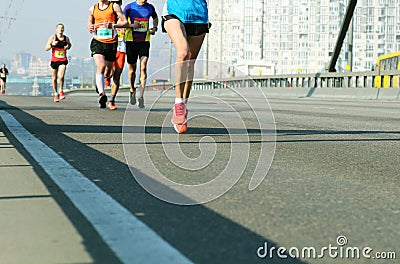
[[108, 72], [2, 86], [116, 81], [54, 73], [143, 74], [100, 63], [177, 34], [195, 43], [61, 74], [132, 76]]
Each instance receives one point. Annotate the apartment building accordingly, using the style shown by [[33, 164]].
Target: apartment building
[[297, 36]]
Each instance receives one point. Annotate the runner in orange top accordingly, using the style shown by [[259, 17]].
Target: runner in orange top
[[104, 17]]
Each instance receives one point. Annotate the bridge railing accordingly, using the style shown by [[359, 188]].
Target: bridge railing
[[365, 79]]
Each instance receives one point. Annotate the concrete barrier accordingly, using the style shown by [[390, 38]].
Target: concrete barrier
[[345, 93], [389, 94]]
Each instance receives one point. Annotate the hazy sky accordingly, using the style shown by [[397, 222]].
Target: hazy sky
[[35, 21]]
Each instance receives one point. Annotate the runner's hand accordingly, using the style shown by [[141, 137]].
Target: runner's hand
[[108, 25], [135, 25], [91, 28]]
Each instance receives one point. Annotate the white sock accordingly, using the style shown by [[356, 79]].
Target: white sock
[[100, 82], [179, 100]]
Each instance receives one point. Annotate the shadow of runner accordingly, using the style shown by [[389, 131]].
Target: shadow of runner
[[196, 231], [93, 243]]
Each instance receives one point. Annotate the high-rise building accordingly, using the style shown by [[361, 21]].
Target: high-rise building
[[297, 36]]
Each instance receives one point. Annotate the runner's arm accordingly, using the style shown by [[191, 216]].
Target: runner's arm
[[122, 21], [49, 43], [90, 22], [69, 45], [155, 25]]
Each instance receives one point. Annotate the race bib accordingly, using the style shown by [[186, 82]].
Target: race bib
[[59, 54], [2, 75], [121, 35], [104, 33], [144, 25]]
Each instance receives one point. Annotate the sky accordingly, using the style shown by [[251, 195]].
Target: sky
[[35, 21]]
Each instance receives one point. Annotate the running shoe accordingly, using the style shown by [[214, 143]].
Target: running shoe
[[141, 102], [56, 98], [103, 100], [132, 98], [112, 105], [62, 95], [3, 92], [179, 114], [181, 129]]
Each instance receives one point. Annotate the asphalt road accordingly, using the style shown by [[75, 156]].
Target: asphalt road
[[333, 170]]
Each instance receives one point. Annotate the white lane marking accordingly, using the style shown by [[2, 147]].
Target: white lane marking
[[130, 239]]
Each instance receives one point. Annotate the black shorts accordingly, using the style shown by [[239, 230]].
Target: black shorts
[[108, 50], [55, 64], [192, 29], [3, 79], [135, 50]]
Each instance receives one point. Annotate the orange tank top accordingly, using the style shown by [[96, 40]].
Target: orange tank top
[[103, 34]]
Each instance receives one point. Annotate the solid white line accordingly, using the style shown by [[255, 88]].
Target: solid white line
[[130, 239]]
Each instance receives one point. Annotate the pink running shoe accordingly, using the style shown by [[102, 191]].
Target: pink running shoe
[[179, 114], [62, 95]]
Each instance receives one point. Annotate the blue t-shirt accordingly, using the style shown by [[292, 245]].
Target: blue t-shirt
[[140, 13], [188, 11]]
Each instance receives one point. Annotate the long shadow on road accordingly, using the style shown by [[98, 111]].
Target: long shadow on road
[[201, 234]]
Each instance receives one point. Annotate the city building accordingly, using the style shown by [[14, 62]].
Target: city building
[[21, 63], [296, 36], [39, 67]]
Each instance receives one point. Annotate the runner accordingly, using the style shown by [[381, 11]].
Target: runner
[[104, 17], [3, 78], [118, 66], [59, 44], [186, 23], [138, 44]]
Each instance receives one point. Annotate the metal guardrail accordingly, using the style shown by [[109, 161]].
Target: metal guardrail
[[327, 80], [331, 80]]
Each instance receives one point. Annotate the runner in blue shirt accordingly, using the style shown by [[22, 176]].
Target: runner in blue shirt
[[186, 23], [138, 44]]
